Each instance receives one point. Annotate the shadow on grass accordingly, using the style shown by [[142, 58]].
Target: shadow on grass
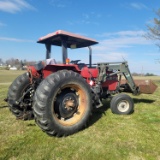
[[136, 100], [98, 113], [31, 125], [1, 107]]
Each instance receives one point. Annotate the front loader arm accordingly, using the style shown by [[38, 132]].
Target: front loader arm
[[117, 68]]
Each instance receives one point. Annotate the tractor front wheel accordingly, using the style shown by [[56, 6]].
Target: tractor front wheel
[[122, 104], [62, 103]]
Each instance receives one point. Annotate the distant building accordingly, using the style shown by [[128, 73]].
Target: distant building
[[13, 68]]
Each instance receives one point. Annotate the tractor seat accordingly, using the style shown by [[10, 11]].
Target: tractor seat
[[81, 65], [50, 61], [40, 65]]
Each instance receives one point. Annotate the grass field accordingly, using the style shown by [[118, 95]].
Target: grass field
[[7, 76], [108, 136]]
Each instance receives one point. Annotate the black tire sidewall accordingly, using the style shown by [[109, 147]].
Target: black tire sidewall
[[18, 86], [117, 99], [87, 111], [53, 123], [15, 91]]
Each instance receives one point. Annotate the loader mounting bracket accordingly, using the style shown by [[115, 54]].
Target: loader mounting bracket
[[119, 68]]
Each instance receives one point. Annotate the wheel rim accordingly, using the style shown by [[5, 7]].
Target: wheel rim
[[123, 106], [27, 95], [69, 104]]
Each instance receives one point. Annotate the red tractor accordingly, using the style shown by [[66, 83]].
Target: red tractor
[[60, 97]]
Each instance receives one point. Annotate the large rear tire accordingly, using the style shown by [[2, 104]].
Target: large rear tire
[[15, 92], [62, 103]]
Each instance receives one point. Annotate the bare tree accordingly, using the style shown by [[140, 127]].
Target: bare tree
[[1, 61], [11, 61], [154, 30]]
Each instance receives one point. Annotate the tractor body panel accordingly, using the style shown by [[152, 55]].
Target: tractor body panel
[[86, 72], [110, 84], [56, 67], [89, 72]]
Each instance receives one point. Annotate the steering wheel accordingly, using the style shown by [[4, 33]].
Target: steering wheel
[[75, 61]]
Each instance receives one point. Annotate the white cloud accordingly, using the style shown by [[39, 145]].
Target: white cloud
[[83, 22], [87, 19], [138, 6], [2, 24], [15, 39], [112, 46], [59, 3], [119, 40], [110, 56], [86, 16], [13, 6], [124, 33], [120, 46]]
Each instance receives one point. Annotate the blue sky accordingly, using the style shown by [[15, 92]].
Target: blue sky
[[118, 25]]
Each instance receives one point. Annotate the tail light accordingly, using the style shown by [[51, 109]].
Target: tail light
[[91, 83], [67, 60]]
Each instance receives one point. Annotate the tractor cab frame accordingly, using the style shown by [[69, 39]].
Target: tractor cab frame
[[66, 40]]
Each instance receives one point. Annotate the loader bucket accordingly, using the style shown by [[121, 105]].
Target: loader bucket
[[146, 86]]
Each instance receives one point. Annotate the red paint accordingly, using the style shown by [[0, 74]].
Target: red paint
[[111, 83], [89, 72], [33, 71]]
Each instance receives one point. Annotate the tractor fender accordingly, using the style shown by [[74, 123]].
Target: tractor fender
[[89, 72]]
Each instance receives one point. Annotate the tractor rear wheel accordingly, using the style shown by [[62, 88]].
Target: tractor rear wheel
[[122, 104], [62, 103], [16, 90]]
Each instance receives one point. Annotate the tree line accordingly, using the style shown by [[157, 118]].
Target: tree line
[[140, 74], [19, 64], [154, 29]]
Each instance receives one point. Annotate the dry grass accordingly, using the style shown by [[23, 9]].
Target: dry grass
[[9, 75], [154, 78], [108, 137]]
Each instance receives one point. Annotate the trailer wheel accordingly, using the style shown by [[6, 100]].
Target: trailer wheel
[[62, 103], [122, 104], [15, 91]]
